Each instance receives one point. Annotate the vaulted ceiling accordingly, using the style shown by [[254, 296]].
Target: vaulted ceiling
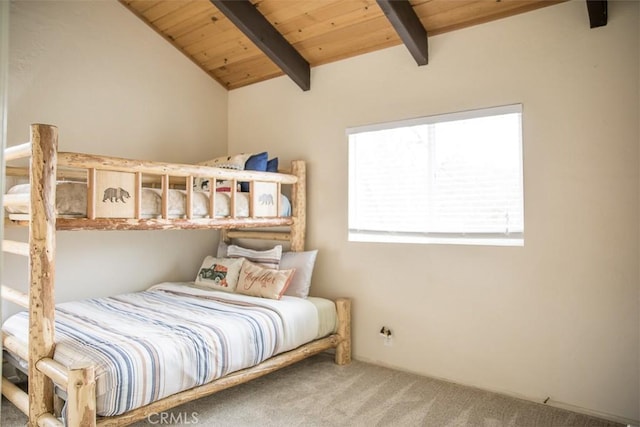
[[240, 42]]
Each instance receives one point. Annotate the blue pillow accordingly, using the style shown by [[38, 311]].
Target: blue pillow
[[257, 162], [272, 165]]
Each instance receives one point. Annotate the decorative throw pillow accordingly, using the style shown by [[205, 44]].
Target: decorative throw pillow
[[257, 162], [269, 258], [259, 281], [272, 165], [228, 162], [219, 273], [303, 263]]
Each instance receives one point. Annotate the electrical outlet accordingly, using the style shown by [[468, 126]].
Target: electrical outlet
[[385, 333]]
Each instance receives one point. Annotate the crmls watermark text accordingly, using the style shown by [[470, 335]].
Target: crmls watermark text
[[173, 418]]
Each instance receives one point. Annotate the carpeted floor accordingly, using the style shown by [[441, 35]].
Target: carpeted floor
[[316, 392]]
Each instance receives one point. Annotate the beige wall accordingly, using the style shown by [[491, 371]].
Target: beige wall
[[113, 87], [557, 318]]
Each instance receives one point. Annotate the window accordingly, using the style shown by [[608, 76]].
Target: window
[[452, 178]]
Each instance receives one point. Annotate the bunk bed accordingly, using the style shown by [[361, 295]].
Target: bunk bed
[[48, 379]]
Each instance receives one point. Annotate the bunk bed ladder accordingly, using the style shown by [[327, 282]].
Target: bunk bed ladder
[[43, 371], [10, 390]]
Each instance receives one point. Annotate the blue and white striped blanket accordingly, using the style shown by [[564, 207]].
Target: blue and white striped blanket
[[172, 337]]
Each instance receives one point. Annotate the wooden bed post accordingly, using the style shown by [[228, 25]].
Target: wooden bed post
[[343, 349], [81, 397], [42, 244], [299, 203]]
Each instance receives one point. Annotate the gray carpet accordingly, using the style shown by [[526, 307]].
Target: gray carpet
[[316, 392]]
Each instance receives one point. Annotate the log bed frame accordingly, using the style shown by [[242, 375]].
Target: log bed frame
[[40, 403]]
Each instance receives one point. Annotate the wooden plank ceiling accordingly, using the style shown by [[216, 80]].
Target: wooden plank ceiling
[[321, 31]]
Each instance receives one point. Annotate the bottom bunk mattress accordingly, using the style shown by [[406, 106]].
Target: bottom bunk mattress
[[174, 336]]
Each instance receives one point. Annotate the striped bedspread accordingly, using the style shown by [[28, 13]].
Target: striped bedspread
[[172, 337]]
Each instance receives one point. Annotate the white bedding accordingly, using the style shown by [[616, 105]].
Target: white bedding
[[174, 336], [71, 200]]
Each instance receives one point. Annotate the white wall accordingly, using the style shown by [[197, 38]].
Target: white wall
[[113, 87], [557, 318]]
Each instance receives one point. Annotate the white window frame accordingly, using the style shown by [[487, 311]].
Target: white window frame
[[513, 238]]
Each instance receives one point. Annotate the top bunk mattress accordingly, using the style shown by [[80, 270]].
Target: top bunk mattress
[[71, 201], [175, 336]]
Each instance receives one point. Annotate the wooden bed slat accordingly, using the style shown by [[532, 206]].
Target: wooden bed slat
[[257, 234], [252, 211], [58, 373], [165, 197], [91, 193], [15, 296], [48, 420], [16, 171], [14, 346], [232, 198], [137, 197], [212, 198], [15, 395], [17, 152], [17, 248], [188, 209], [278, 199], [86, 161]]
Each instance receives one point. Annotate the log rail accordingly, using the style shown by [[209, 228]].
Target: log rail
[[86, 167]]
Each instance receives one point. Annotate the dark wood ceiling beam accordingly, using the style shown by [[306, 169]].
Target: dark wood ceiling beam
[[408, 26], [597, 13], [246, 17]]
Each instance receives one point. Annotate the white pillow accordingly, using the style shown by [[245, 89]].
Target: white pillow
[[219, 273], [303, 263], [259, 281], [222, 249], [269, 258]]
